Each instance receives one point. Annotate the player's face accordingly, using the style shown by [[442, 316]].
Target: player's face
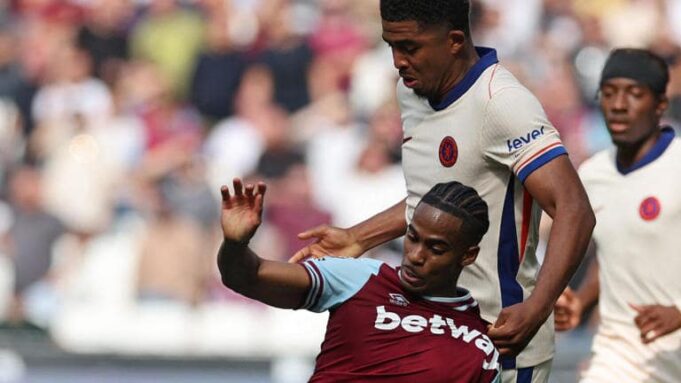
[[632, 111], [423, 56], [434, 253]]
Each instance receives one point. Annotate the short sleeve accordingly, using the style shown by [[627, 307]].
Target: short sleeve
[[335, 280], [517, 133]]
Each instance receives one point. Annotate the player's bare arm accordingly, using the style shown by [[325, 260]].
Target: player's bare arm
[[558, 190], [277, 284], [571, 305], [356, 240]]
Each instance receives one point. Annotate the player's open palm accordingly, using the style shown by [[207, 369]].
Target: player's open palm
[[241, 211]]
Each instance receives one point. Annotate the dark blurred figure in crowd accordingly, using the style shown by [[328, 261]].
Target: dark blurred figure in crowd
[[14, 84], [104, 34], [219, 68], [32, 234], [288, 56]]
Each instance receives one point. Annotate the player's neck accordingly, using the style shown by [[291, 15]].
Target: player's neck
[[463, 63], [628, 155]]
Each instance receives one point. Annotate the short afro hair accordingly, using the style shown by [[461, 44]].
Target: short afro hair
[[464, 203], [452, 13]]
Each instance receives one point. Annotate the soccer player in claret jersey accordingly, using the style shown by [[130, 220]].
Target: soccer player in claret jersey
[[466, 118], [393, 325], [634, 188]]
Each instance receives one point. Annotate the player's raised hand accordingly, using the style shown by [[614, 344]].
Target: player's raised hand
[[515, 327], [329, 241], [654, 321], [568, 311], [242, 211]]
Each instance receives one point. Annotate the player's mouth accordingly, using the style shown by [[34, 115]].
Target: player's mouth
[[618, 126], [409, 82], [410, 278]]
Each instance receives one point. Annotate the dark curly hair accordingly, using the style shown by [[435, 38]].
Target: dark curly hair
[[453, 13], [464, 203]]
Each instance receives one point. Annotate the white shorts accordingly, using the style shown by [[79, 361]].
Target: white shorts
[[621, 357]]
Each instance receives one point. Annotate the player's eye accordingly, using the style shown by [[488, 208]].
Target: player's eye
[[437, 250], [411, 235], [411, 50], [637, 92]]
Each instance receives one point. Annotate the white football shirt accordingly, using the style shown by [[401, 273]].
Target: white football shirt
[[638, 245], [489, 133]]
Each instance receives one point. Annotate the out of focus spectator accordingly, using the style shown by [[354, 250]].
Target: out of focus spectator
[[171, 37], [235, 144], [219, 68], [288, 56], [291, 206], [104, 34], [32, 234], [14, 86], [72, 99], [173, 261]]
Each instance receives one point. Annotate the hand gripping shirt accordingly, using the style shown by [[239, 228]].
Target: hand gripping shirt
[[489, 133], [379, 332]]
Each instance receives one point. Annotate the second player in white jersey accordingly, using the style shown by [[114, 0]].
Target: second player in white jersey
[[638, 212]]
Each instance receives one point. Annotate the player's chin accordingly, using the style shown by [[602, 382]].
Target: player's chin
[[420, 93], [417, 287]]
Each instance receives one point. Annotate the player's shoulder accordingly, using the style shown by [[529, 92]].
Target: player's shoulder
[[598, 164], [502, 83], [675, 145]]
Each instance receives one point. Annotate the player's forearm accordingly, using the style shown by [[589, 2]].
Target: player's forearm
[[569, 238], [588, 291], [383, 227], [238, 265]]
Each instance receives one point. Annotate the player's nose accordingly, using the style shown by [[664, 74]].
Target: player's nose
[[416, 255], [399, 60]]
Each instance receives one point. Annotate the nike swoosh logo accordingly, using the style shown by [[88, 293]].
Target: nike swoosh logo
[[406, 139]]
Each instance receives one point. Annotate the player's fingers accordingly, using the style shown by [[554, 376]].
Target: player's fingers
[[643, 320], [238, 187], [318, 251], [262, 188], [300, 255], [248, 190], [651, 334], [499, 333], [258, 204], [224, 191], [638, 308], [315, 232]]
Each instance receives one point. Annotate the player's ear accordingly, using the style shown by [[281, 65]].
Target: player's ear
[[470, 255], [456, 39], [662, 105]]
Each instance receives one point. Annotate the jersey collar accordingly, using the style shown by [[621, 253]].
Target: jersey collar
[[488, 57], [666, 138]]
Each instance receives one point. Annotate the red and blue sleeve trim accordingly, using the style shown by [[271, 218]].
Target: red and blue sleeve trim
[[540, 159]]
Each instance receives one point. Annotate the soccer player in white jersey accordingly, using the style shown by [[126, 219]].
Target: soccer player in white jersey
[[466, 118], [634, 188]]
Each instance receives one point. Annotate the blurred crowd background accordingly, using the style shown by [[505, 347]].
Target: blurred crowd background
[[120, 119]]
